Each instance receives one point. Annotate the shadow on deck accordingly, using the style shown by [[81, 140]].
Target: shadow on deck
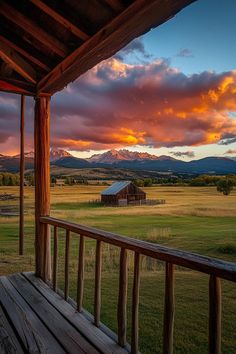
[[35, 319]]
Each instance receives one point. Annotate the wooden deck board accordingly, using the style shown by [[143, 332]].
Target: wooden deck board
[[35, 319], [9, 344], [98, 338]]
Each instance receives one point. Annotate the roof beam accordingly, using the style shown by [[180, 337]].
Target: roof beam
[[17, 63], [16, 86], [33, 29], [60, 19], [136, 20], [114, 5], [24, 53]]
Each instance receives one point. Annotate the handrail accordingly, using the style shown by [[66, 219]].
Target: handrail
[[215, 268], [212, 266]]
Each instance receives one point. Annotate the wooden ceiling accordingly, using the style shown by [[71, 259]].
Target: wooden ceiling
[[46, 44]]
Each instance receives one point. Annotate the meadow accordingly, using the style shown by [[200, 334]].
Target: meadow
[[196, 219]]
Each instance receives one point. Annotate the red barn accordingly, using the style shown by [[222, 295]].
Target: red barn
[[123, 192]]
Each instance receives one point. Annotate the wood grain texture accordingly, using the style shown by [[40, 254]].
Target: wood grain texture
[[9, 344], [85, 325], [64, 333], [137, 19], [33, 29], [168, 326], [33, 335], [80, 283], [215, 313], [42, 186], [122, 299], [208, 265], [10, 56], [55, 258], [26, 54], [60, 19], [97, 288], [135, 305], [22, 175], [67, 255]]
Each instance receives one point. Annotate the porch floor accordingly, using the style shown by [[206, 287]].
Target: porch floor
[[35, 319]]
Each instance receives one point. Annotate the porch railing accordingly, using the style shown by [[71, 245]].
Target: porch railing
[[216, 269]]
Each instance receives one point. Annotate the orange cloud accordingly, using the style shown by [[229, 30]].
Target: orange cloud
[[117, 104]]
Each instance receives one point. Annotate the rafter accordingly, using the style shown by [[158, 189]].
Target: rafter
[[60, 19], [136, 20], [17, 63], [33, 29], [16, 86], [24, 53]]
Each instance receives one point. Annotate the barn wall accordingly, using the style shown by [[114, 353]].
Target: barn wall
[[131, 193]]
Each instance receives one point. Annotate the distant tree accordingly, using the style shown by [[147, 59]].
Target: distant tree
[[225, 186], [138, 182], [147, 182]]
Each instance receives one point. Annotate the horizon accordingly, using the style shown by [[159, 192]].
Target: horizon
[[157, 95], [181, 158]]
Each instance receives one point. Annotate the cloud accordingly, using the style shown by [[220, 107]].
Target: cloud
[[230, 151], [185, 53], [183, 153], [117, 104], [134, 47], [227, 139]]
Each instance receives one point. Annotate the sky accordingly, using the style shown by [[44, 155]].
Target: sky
[[170, 92]]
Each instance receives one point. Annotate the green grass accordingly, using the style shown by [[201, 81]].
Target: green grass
[[193, 219]]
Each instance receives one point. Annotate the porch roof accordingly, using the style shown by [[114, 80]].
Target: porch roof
[[45, 45]]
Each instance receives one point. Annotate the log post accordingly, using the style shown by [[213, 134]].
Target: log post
[[42, 186], [22, 172]]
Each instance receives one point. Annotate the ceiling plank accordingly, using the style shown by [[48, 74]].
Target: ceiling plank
[[16, 86], [62, 20], [136, 20], [33, 29], [114, 5], [17, 63], [24, 53]]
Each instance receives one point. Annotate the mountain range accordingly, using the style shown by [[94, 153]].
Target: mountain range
[[129, 160]]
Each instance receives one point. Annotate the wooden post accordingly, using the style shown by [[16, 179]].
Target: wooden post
[[168, 328], [122, 300], [22, 171], [214, 315], [42, 186]]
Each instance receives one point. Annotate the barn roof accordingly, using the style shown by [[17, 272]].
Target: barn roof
[[116, 188], [46, 44]]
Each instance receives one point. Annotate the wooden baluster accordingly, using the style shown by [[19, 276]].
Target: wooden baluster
[[67, 250], [97, 290], [55, 259], [80, 284], [122, 300], [22, 174], [168, 327], [135, 305], [214, 315]]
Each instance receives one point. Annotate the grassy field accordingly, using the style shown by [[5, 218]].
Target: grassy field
[[194, 219]]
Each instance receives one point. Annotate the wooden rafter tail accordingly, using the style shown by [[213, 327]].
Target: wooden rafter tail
[[61, 19], [15, 86], [17, 63], [33, 29], [137, 19], [24, 53]]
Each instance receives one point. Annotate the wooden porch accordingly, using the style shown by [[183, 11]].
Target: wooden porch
[[35, 319], [44, 46]]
